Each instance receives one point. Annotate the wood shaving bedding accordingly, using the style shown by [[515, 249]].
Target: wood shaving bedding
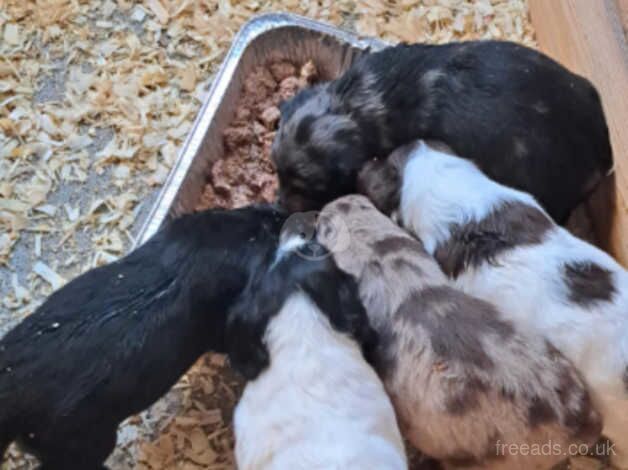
[[96, 98]]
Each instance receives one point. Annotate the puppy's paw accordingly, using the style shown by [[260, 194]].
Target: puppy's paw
[[248, 354], [249, 359]]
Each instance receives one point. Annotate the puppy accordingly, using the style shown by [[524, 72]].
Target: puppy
[[313, 402], [466, 382], [111, 342], [522, 118], [500, 245]]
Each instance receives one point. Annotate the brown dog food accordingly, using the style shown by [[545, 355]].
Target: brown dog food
[[246, 174]]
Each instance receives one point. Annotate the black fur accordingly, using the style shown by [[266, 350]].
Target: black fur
[[312, 189], [524, 119], [288, 107], [115, 339], [334, 292]]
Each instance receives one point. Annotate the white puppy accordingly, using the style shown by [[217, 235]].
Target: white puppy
[[500, 245], [318, 405]]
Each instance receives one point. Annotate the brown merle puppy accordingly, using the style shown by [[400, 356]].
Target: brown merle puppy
[[499, 245], [115, 339], [522, 118], [465, 381]]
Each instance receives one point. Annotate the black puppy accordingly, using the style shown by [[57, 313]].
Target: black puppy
[[115, 339], [525, 120]]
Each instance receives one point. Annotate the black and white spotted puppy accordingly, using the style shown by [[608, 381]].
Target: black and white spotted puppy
[[524, 119], [500, 245], [312, 401]]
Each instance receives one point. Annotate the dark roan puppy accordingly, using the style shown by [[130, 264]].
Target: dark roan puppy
[[525, 120], [114, 340]]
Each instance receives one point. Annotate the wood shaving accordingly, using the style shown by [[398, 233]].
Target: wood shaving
[[49, 275], [159, 10], [96, 98]]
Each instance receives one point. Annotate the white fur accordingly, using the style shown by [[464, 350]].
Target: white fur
[[439, 189], [526, 282], [319, 405]]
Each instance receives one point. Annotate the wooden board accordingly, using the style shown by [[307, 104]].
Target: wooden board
[[587, 37]]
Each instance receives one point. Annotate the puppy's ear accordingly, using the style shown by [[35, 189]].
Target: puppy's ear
[[380, 182], [336, 294], [246, 326]]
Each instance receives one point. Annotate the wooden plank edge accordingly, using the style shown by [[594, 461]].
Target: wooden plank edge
[[587, 37]]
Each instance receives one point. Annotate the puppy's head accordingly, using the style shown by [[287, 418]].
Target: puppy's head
[[373, 239], [381, 180], [334, 292], [318, 151], [242, 239]]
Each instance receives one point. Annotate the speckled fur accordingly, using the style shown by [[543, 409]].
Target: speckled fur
[[462, 377], [524, 119], [499, 245]]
